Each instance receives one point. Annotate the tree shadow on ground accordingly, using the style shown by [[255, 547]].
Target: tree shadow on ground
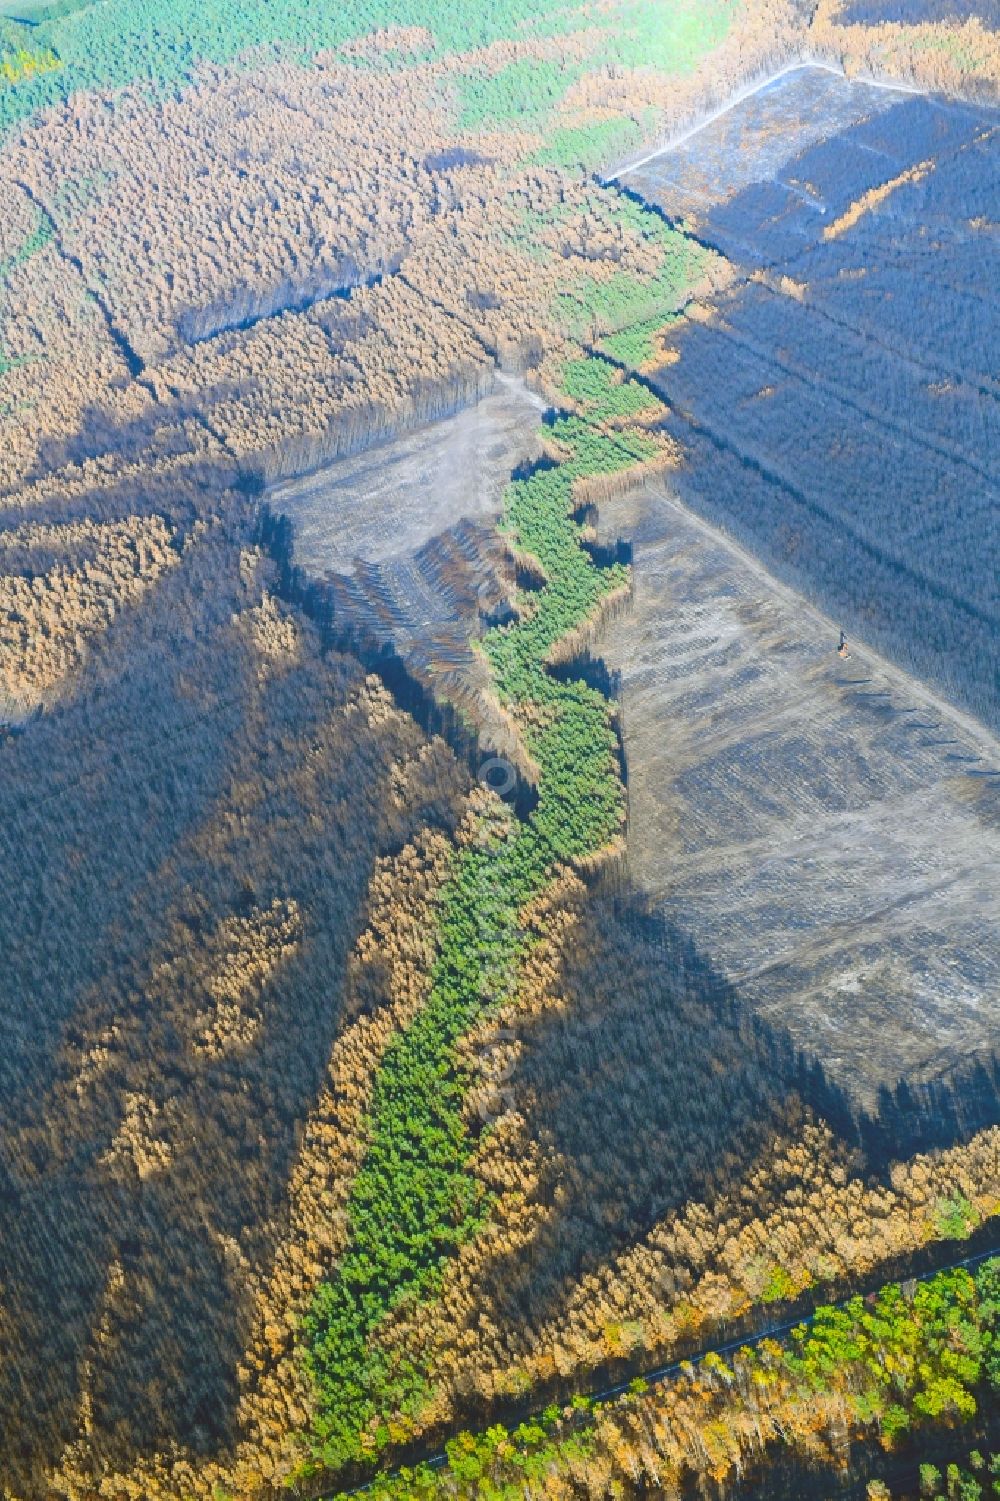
[[651, 1087], [215, 791], [657, 1085]]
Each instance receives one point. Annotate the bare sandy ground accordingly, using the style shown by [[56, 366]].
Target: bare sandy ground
[[393, 498], [405, 537], [827, 829]]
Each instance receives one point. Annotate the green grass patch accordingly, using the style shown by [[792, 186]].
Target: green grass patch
[[587, 147], [672, 38], [623, 301], [638, 344], [602, 392], [635, 307]]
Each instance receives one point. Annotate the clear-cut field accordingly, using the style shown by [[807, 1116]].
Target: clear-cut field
[[403, 539], [752, 140], [389, 501], [838, 404], [827, 831]]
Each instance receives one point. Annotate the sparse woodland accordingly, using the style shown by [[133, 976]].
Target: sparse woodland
[[343, 1103]]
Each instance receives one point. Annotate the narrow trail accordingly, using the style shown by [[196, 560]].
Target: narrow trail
[[663, 1373]]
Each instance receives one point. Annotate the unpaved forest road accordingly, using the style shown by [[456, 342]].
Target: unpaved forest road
[[660, 1374], [748, 91]]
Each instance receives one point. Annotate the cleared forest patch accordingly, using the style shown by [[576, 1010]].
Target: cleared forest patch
[[828, 833], [870, 266], [401, 540], [751, 141], [395, 496]]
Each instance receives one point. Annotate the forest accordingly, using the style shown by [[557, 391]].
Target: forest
[[475, 1045], [908, 1356], [356, 1106]]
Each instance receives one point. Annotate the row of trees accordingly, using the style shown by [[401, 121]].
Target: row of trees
[[413, 1201], [903, 1361]]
